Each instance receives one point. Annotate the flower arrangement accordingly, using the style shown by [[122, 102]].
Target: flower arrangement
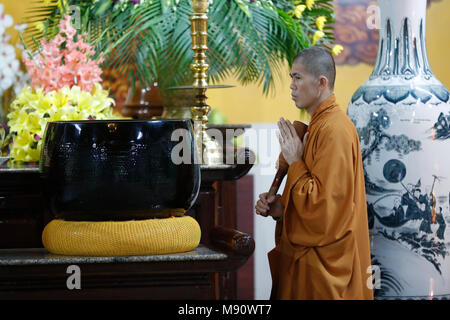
[[11, 75], [65, 86], [12, 78], [64, 62]]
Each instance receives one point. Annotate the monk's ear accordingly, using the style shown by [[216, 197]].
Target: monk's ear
[[323, 82]]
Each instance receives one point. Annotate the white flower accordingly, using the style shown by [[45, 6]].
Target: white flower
[[7, 52], [10, 74], [22, 80], [20, 27], [4, 38], [5, 20]]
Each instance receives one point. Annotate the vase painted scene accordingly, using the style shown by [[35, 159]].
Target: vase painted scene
[[402, 116]]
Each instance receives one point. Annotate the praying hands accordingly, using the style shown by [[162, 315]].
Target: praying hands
[[292, 147]]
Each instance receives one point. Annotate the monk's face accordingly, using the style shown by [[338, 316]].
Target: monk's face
[[304, 87]]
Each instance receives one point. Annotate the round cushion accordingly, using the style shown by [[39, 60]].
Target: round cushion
[[122, 238]]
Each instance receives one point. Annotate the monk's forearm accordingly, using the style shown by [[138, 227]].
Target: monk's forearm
[[278, 216], [297, 170]]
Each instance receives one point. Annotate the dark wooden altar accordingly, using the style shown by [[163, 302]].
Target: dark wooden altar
[[215, 270]]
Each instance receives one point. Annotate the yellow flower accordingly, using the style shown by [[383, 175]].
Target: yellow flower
[[320, 22], [299, 10], [59, 3], [60, 6], [39, 26], [337, 49], [317, 36], [60, 99], [19, 120], [32, 109], [25, 147], [309, 4]]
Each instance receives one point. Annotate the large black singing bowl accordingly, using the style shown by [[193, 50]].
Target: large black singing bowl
[[108, 170]]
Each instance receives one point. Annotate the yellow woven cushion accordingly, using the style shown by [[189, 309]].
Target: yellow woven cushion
[[122, 238]]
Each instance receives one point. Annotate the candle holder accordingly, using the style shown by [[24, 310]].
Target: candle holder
[[209, 149]]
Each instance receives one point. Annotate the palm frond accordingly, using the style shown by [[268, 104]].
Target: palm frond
[[152, 41]]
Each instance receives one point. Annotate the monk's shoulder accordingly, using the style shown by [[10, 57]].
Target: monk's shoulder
[[338, 127]]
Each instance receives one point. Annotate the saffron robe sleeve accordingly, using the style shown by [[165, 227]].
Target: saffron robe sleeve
[[322, 249]]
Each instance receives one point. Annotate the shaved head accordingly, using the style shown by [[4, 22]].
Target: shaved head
[[318, 61]]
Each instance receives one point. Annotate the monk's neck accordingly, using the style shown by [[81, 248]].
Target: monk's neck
[[316, 105]]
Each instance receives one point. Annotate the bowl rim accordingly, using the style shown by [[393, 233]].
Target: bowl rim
[[117, 121]]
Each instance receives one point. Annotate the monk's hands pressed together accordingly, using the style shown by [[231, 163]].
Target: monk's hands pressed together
[[292, 147], [269, 206]]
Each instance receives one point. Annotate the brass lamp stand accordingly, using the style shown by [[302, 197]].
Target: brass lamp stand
[[209, 150]]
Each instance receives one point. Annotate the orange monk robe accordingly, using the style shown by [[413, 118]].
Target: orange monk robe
[[322, 243]]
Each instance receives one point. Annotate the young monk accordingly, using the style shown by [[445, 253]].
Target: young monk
[[322, 239]]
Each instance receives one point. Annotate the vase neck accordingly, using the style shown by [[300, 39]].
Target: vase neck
[[402, 47]]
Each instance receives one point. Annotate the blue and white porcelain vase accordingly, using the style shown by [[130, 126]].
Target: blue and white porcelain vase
[[402, 114]]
